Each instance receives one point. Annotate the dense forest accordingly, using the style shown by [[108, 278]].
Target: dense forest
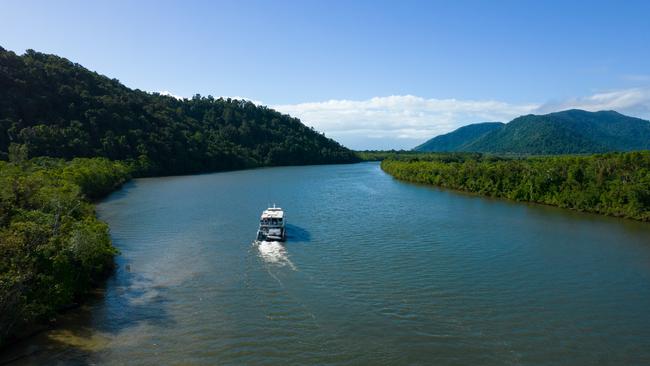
[[57, 108], [52, 246], [457, 139], [379, 155], [567, 132], [616, 184]]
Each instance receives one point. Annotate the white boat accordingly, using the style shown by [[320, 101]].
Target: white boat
[[272, 225]]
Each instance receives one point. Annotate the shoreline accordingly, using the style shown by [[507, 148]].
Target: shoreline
[[431, 170], [34, 329]]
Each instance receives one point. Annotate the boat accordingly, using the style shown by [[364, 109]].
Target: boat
[[272, 225]]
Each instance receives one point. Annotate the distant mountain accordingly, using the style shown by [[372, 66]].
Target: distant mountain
[[54, 107], [567, 132], [457, 139]]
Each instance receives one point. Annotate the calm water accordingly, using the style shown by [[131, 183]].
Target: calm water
[[375, 272]]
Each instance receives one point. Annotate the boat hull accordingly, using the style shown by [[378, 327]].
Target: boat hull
[[263, 235]]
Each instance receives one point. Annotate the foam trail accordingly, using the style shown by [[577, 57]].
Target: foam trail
[[275, 253]]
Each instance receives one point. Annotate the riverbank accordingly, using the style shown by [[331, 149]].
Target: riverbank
[[57, 250], [422, 272], [54, 249], [614, 184]]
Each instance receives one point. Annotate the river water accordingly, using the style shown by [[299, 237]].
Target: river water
[[375, 272]]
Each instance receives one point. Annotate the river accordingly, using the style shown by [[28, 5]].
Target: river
[[375, 271]]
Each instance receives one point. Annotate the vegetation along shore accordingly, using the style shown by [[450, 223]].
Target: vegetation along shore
[[69, 135], [53, 248], [615, 184]]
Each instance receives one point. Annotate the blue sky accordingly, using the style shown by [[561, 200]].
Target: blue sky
[[372, 74]]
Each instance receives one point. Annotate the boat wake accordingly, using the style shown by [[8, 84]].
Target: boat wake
[[274, 252]]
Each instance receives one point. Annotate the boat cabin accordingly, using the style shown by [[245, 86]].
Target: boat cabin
[[271, 225], [273, 216]]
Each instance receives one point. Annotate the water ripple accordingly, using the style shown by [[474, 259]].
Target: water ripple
[[374, 271]]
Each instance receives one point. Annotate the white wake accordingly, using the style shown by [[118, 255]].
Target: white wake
[[274, 252]]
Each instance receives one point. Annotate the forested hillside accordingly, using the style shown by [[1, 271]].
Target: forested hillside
[[616, 184], [567, 132], [60, 109], [52, 246], [459, 138]]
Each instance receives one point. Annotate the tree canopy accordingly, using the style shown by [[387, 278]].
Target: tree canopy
[[57, 108], [616, 184], [52, 246]]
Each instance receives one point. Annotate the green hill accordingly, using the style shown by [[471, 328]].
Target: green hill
[[455, 140], [58, 108], [567, 132]]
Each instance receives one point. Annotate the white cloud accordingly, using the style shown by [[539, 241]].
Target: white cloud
[[256, 102], [398, 121], [170, 94], [404, 121], [634, 101]]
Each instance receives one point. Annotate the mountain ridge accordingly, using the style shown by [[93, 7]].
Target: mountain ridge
[[572, 131], [454, 140]]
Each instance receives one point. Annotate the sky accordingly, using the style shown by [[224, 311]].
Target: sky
[[370, 74]]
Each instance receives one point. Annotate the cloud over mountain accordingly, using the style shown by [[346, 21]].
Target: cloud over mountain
[[404, 121], [634, 101], [398, 121]]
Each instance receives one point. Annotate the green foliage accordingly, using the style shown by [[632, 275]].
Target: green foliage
[[53, 107], [568, 132], [53, 249], [378, 155], [616, 184], [457, 139], [410, 155], [17, 153]]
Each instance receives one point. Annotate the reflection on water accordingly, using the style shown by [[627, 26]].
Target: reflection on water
[[374, 271]]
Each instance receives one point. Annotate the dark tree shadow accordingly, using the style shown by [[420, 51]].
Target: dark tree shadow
[[121, 192]]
